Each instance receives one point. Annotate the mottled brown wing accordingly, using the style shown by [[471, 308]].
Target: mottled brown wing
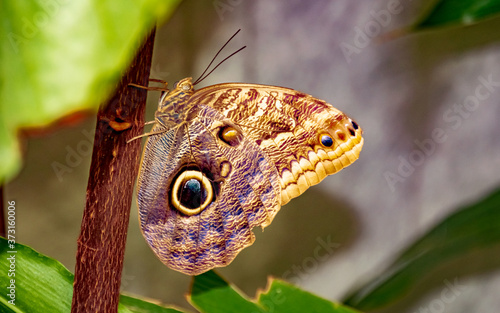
[[245, 185], [290, 127], [222, 160]]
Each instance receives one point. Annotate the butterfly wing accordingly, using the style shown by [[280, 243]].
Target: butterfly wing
[[305, 138], [238, 153], [245, 193]]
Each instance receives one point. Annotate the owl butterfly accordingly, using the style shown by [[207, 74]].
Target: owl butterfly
[[222, 160]]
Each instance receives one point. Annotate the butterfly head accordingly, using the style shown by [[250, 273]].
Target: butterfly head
[[176, 99], [174, 105]]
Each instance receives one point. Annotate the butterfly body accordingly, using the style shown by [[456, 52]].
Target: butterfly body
[[223, 159]]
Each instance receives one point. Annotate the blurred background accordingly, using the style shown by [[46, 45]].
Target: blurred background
[[429, 146]]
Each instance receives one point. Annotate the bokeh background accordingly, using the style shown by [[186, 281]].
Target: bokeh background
[[343, 231]]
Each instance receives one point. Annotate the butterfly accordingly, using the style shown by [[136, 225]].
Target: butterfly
[[223, 159]]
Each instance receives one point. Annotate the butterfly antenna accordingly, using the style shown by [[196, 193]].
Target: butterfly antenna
[[218, 52], [203, 76], [199, 80], [147, 135]]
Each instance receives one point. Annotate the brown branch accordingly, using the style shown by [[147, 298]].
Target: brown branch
[[101, 244]]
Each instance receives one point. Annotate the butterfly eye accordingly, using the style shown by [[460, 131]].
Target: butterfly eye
[[326, 140], [186, 86], [230, 135], [192, 192]]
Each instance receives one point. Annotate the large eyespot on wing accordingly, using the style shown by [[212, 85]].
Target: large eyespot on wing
[[192, 192], [189, 228]]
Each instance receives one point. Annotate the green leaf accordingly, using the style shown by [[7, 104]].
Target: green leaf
[[283, 297], [42, 284], [212, 294], [137, 305], [463, 12], [61, 56], [465, 232]]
